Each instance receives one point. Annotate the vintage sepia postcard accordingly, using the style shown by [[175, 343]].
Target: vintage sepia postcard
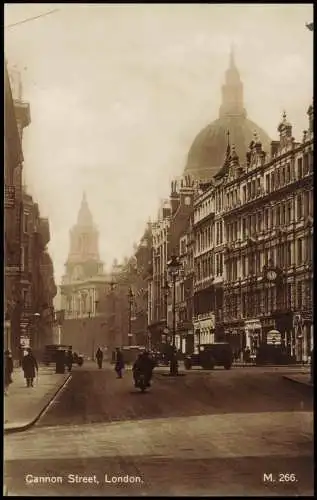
[[158, 250]]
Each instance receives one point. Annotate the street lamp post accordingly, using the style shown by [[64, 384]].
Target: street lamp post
[[173, 269], [37, 317], [130, 298], [166, 289]]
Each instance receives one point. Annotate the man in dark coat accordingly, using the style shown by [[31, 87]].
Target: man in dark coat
[[69, 359], [99, 357], [119, 363], [29, 366], [8, 370]]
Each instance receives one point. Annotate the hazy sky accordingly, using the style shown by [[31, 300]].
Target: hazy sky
[[118, 93]]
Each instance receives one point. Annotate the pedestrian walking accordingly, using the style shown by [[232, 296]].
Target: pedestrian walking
[[8, 370], [69, 358], [247, 355], [119, 363], [99, 357], [29, 367]]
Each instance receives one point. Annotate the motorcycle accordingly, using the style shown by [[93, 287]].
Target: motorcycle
[[142, 382]]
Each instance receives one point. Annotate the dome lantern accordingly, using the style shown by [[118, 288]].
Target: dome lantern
[[206, 155]]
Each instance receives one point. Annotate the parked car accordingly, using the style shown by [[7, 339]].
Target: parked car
[[78, 358], [272, 354], [211, 355], [50, 352]]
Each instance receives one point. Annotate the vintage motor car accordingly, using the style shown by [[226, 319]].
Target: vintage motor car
[[211, 355]]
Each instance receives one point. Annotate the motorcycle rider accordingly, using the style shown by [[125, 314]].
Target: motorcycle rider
[[144, 364]]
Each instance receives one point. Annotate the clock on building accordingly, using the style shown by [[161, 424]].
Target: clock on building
[[271, 274]]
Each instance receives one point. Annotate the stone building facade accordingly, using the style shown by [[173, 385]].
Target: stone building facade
[[253, 233], [29, 274], [13, 207], [167, 233], [94, 303], [268, 217]]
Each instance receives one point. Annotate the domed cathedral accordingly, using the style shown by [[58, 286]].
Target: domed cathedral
[[206, 154], [87, 291]]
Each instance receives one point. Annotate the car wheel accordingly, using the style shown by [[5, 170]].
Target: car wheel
[[227, 367]]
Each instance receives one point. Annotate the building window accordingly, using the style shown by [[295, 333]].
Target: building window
[[249, 191], [288, 213], [306, 203], [272, 181], [283, 177], [278, 216], [299, 207], [306, 164], [283, 215], [300, 168], [289, 254], [22, 258], [253, 189], [299, 295], [244, 265], [244, 228], [288, 173], [299, 251], [25, 222], [267, 183], [266, 218], [244, 194], [277, 178], [311, 161]]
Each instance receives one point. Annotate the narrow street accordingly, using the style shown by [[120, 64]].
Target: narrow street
[[204, 433]]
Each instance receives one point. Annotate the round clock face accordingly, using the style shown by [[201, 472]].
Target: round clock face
[[271, 274]]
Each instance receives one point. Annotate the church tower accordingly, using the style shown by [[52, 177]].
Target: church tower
[[85, 289], [83, 260]]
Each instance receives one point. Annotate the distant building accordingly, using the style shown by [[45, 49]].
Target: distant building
[[88, 297], [246, 241], [171, 225], [206, 154]]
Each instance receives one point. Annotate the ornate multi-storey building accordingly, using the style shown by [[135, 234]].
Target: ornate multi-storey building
[[167, 232], [253, 238], [13, 161], [139, 288], [246, 247], [268, 203], [29, 283]]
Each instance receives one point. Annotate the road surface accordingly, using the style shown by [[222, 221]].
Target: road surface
[[243, 432]]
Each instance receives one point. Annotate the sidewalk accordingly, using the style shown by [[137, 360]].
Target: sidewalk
[[301, 377], [24, 405]]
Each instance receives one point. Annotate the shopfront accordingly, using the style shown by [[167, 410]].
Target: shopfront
[[253, 335], [204, 330]]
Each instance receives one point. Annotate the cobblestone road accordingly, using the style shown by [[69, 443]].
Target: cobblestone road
[[215, 433]]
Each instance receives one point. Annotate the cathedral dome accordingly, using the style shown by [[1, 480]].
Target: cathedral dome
[[208, 150]]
